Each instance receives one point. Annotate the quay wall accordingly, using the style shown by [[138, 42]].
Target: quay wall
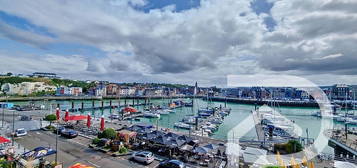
[[3, 99], [262, 102]]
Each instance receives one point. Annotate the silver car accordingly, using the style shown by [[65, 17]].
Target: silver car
[[20, 132], [143, 157]]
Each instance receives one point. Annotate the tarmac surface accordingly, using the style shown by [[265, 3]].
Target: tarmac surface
[[71, 151]]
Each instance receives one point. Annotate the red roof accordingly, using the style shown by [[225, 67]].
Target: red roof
[[4, 140], [130, 109], [76, 117]]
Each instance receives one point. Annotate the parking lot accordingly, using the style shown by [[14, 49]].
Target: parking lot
[[71, 151]]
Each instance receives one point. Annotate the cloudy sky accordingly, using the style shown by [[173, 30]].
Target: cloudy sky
[[180, 41]]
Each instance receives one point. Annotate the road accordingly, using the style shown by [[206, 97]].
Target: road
[[71, 151]]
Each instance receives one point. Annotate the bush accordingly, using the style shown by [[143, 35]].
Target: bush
[[293, 146], [51, 127], [123, 150], [95, 141], [108, 133]]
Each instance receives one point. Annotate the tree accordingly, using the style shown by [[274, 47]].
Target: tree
[[9, 74], [51, 118], [108, 133]]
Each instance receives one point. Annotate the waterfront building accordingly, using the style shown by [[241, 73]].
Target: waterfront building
[[127, 91], [68, 91], [153, 92], [340, 91], [76, 91], [139, 91], [112, 89], [63, 91], [100, 90]]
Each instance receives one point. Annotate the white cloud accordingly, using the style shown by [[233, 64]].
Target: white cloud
[[204, 43]]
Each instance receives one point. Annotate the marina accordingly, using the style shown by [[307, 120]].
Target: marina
[[210, 119], [302, 116]]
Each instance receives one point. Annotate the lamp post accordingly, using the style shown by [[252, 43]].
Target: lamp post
[[3, 112], [3, 115], [13, 127], [56, 159]]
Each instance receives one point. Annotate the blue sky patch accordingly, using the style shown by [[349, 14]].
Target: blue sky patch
[[263, 6], [24, 24], [180, 5]]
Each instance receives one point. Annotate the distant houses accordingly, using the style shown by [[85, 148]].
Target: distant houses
[[69, 91]]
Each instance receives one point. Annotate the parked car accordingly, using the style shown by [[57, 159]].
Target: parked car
[[172, 164], [25, 118], [60, 130], [143, 157], [69, 133], [20, 132]]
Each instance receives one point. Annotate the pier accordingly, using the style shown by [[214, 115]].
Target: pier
[[345, 145], [107, 107], [258, 126]]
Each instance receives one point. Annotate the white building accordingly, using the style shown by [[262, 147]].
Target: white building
[[127, 91]]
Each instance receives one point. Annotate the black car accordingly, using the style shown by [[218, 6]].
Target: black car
[[172, 164], [60, 129], [69, 133]]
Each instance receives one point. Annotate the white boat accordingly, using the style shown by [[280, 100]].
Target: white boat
[[162, 112], [151, 115], [182, 125], [171, 111], [351, 121], [114, 116]]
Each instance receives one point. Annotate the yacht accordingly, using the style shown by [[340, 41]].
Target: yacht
[[182, 125], [151, 115]]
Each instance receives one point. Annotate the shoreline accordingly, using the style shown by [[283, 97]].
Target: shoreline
[[63, 98], [282, 103]]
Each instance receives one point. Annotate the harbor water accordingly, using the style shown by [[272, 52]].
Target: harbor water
[[301, 116]]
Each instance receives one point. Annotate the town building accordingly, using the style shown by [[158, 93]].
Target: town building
[[127, 91], [44, 75], [69, 91], [340, 91], [76, 91], [113, 89]]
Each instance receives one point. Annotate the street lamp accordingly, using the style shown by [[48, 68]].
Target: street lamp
[[13, 127], [56, 159]]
